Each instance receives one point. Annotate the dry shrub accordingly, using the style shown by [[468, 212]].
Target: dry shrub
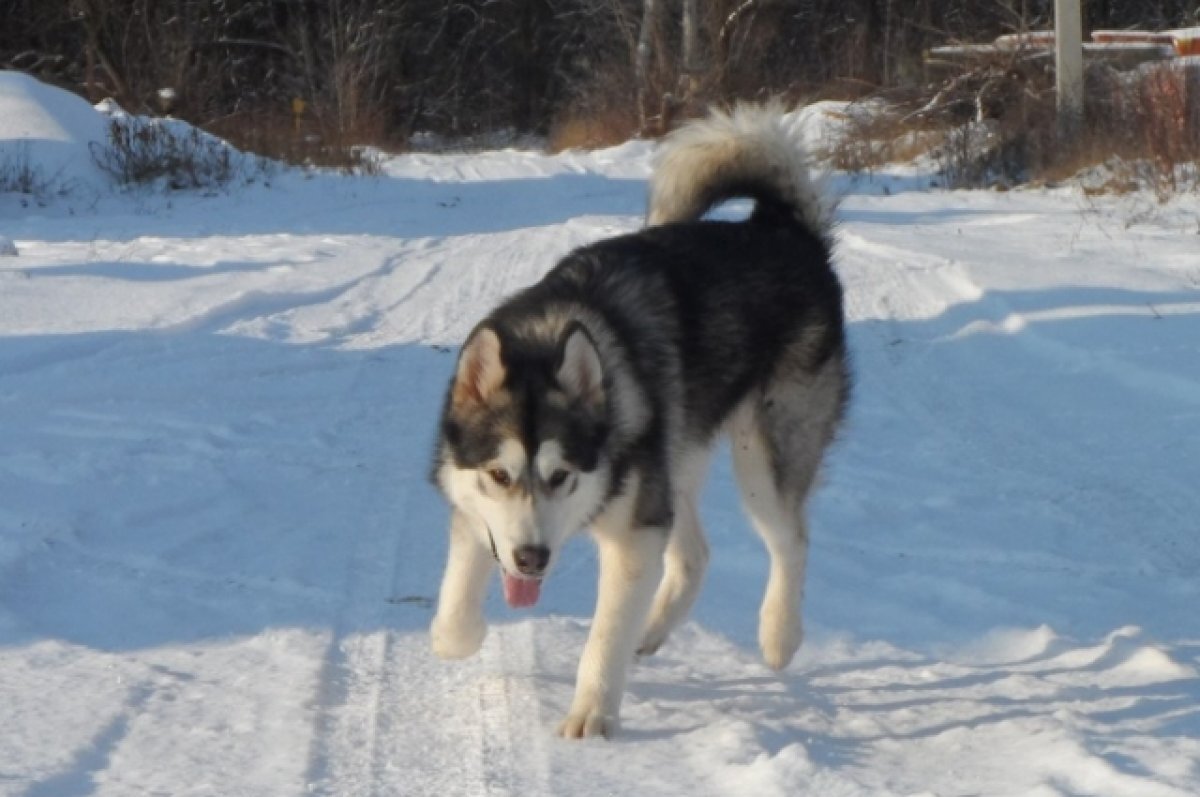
[[1162, 111], [995, 124], [172, 155], [982, 125], [20, 175], [602, 127], [1143, 131], [875, 133], [306, 142]]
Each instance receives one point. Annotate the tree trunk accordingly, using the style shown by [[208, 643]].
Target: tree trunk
[[643, 62], [92, 20], [693, 67]]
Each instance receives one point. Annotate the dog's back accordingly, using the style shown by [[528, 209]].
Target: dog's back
[[732, 298]]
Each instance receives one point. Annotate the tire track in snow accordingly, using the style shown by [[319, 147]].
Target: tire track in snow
[[428, 727], [514, 733], [369, 325], [79, 776], [467, 271], [345, 714], [389, 718], [354, 680], [322, 286], [258, 304]]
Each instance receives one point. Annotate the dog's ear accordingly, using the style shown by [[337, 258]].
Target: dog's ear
[[480, 369], [579, 371]]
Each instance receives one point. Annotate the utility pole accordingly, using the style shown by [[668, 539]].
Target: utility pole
[[1068, 62]]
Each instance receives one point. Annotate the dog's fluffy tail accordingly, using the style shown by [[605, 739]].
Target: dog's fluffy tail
[[747, 152]]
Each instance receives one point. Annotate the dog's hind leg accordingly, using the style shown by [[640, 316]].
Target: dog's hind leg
[[459, 628], [780, 524], [778, 439], [685, 559]]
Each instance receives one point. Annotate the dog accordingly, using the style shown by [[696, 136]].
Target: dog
[[593, 399]]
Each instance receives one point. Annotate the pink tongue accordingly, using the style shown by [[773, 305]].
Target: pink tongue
[[521, 592]]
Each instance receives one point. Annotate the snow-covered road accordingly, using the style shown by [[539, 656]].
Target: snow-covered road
[[218, 548]]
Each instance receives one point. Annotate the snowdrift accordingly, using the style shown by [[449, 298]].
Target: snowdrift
[[51, 131], [53, 142]]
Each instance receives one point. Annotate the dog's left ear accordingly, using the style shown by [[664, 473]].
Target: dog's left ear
[[579, 371]]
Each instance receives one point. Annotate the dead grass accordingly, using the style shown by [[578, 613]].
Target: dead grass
[[996, 126], [170, 154], [603, 127], [875, 133], [306, 142], [18, 175]]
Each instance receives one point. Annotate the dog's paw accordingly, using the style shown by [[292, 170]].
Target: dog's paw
[[456, 636], [779, 637], [586, 723], [664, 616], [653, 640]]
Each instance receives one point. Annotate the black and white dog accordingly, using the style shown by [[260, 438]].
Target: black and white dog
[[593, 398]]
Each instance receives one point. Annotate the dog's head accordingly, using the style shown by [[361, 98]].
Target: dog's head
[[523, 448]]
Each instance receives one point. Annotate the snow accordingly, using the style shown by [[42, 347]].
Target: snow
[[219, 550], [52, 129]]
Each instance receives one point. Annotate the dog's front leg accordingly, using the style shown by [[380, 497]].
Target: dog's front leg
[[458, 627], [630, 569]]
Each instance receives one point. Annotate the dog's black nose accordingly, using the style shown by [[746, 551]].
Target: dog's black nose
[[532, 559]]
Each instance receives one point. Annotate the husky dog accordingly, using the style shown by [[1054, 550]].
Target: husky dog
[[593, 398]]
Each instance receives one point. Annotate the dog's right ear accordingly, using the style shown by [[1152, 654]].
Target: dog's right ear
[[480, 369]]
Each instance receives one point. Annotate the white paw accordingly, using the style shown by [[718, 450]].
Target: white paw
[[656, 635], [779, 636], [669, 607], [583, 723], [457, 636]]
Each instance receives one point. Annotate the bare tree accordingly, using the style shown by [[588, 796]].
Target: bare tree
[[384, 68], [651, 10], [692, 64]]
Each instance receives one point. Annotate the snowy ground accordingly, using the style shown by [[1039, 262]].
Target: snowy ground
[[218, 549]]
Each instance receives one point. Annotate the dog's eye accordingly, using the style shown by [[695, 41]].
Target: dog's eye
[[556, 479], [500, 476]]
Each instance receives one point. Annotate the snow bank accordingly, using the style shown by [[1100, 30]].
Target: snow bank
[[50, 130], [168, 153], [53, 142]]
